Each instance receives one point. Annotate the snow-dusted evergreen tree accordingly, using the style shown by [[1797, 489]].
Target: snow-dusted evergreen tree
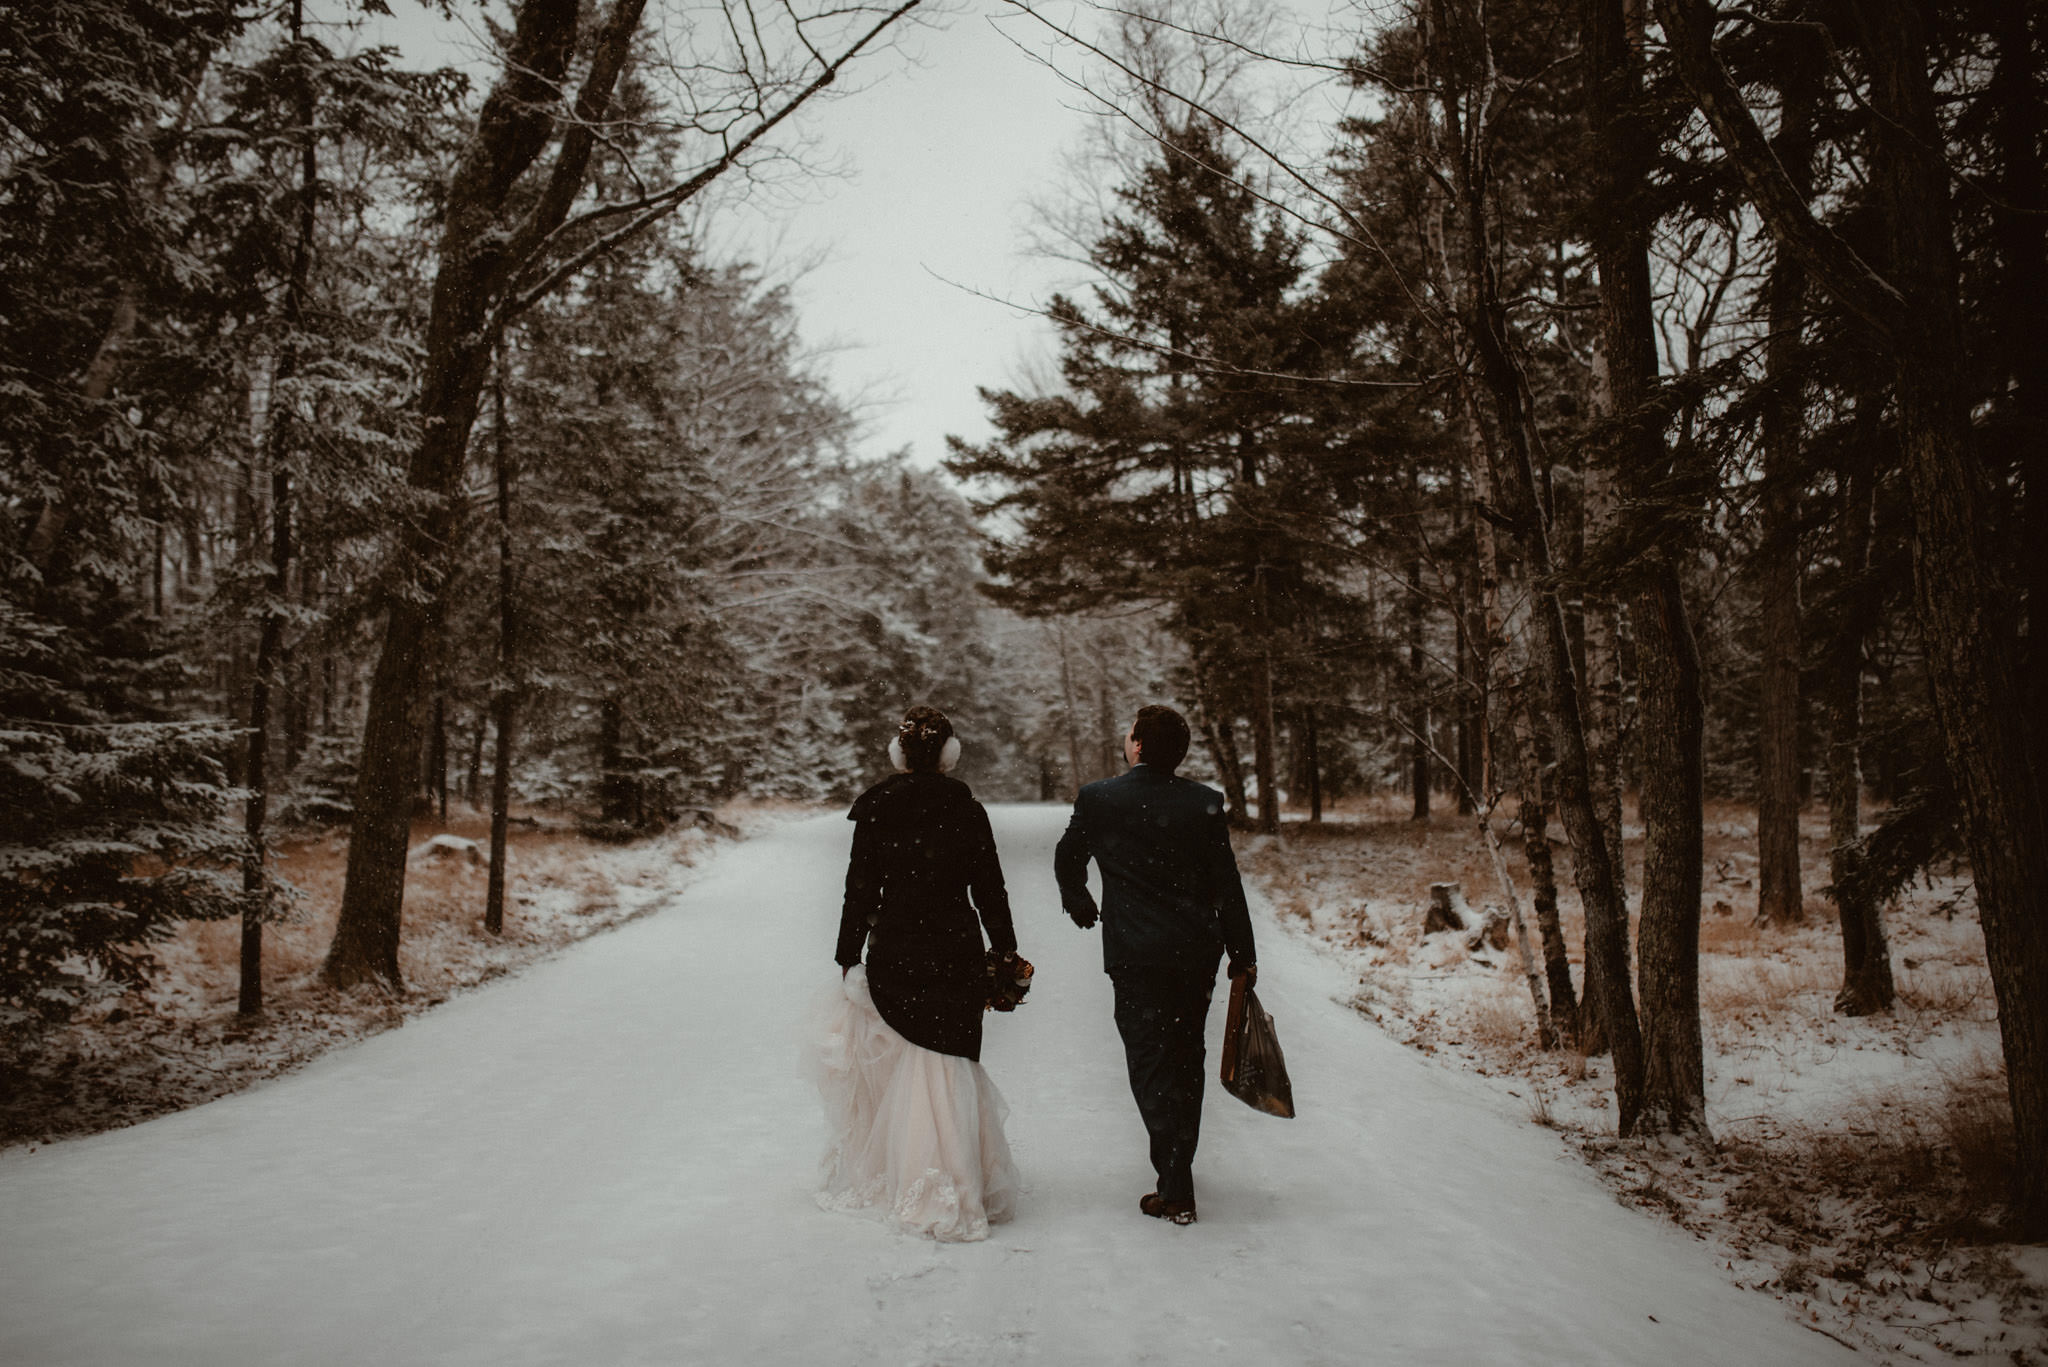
[[1187, 420], [114, 832], [110, 804]]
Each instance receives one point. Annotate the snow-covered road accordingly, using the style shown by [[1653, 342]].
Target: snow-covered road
[[609, 1159]]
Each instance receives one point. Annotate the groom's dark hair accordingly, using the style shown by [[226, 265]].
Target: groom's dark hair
[[1162, 736]]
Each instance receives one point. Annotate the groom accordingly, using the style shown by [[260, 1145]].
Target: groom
[[1171, 905]]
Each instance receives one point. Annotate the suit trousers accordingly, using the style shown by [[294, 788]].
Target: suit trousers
[[1160, 1012]]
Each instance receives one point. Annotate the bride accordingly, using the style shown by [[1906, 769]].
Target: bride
[[917, 1127]]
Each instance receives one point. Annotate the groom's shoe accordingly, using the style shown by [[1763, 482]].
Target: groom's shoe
[[1159, 1208]]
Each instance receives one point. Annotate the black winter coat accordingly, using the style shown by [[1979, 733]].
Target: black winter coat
[[921, 846]]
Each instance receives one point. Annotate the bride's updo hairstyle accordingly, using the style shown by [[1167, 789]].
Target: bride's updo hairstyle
[[924, 742]]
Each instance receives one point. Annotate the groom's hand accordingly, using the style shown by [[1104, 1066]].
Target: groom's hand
[[1249, 972], [1084, 916]]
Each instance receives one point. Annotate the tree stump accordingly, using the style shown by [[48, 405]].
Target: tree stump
[[1448, 910]]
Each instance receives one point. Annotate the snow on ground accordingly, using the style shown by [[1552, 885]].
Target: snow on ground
[[609, 1160], [1853, 1152], [180, 1042]]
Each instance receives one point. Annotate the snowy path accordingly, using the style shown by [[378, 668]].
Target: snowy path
[[608, 1160]]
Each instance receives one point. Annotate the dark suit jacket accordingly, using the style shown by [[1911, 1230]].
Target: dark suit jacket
[[1170, 890]]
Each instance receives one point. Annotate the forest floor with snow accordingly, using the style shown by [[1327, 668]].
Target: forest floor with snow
[[181, 1042], [1859, 1162]]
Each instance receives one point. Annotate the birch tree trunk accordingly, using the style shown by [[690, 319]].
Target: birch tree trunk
[[1532, 812], [1508, 428]]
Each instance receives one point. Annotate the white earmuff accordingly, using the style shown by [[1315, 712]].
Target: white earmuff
[[949, 755]]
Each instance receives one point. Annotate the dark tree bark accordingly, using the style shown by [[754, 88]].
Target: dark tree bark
[[1965, 609], [1671, 708], [270, 642], [1779, 896], [1866, 956], [1600, 640], [477, 257], [473, 774], [256, 777], [2019, 216], [498, 230]]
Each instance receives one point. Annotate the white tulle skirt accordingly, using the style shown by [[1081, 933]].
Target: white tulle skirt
[[916, 1136]]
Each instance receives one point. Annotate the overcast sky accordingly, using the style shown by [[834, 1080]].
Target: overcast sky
[[935, 156]]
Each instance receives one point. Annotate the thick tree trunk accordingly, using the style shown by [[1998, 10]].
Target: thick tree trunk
[[503, 708], [1966, 612], [1967, 615], [1671, 707], [1604, 713], [1212, 720], [1672, 793], [1601, 644], [478, 255], [616, 796], [1265, 749]]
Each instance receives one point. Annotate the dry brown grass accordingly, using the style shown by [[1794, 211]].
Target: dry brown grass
[[1932, 1161], [1500, 1020], [444, 902], [1944, 989], [1748, 989], [1845, 1149]]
